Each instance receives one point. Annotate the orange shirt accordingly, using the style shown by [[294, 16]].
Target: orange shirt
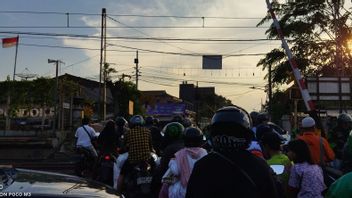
[[313, 142]]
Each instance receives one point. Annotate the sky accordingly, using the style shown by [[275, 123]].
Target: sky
[[164, 64]]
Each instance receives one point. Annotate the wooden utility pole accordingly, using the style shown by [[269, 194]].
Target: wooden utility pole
[[102, 47]]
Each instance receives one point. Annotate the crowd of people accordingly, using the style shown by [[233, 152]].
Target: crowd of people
[[232, 158]]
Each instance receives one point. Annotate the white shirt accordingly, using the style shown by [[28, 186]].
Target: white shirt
[[83, 138]]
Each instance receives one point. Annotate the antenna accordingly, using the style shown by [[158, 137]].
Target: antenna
[[26, 74]]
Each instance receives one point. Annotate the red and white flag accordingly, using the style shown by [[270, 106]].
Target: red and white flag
[[9, 42]]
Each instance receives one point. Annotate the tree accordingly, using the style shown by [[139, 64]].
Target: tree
[[318, 34], [210, 103], [123, 92], [108, 71]]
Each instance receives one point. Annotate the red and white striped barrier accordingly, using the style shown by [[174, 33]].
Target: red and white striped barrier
[[300, 81]]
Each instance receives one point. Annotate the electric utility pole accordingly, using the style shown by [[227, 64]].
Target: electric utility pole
[[56, 92], [102, 47], [137, 69]]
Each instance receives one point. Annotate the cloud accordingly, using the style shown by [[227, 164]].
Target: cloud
[[124, 60]]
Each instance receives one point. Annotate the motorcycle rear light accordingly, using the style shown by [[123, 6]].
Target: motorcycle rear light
[[107, 157]]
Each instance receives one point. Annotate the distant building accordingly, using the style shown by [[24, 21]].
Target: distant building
[[191, 93]]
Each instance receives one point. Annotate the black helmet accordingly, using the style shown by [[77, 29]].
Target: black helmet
[[187, 122], [262, 117], [177, 118], [156, 121], [254, 116], [120, 121], [193, 137], [344, 118], [149, 120], [137, 120], [261, 130], [231, 129], [173, 131]]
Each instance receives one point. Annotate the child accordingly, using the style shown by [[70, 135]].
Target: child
[[271, 143], [306, 179]]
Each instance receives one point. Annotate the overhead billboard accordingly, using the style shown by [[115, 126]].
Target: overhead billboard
[[212, 62]]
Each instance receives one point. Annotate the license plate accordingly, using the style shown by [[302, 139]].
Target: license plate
[[144, 180]]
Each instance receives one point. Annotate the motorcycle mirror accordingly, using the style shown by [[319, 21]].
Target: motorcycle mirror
[[278, 169]]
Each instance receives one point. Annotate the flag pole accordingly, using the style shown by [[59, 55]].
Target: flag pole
[[14, 68]]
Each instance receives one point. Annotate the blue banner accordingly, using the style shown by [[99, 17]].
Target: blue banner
[[166, 109]]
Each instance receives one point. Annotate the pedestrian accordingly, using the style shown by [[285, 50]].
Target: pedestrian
[[231, 170], [306, 178]]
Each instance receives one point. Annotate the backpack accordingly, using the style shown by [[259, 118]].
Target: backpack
[[137, 182]]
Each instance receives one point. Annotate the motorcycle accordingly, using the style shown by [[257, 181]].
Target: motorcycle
[[106, 166], [85, 166]]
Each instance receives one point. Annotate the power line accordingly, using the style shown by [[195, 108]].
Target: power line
[[45, 12], [144, 50], [136, 27], [186, 54], [155, 71], [147, 34], [204, 81], [129, 15], [134, 38], [200, 42], [162, 84]]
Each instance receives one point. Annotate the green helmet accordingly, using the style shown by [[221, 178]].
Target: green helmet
[[173, 130]]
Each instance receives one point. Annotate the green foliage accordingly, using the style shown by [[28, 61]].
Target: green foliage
[[209, 104], [311, 32], [25, 94], [280, 107], [123, 92]]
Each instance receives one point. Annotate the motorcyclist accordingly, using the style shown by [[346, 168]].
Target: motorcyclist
[[231, 171], [254, 116], [139, 145], [181, 166], [84, 137], [186, 122], [173, 141], [107, 142], [108, 138], [85, 134], [155, 132], [338, 137], [347, 155], [121, 129], [316, 142], [122, 125]]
